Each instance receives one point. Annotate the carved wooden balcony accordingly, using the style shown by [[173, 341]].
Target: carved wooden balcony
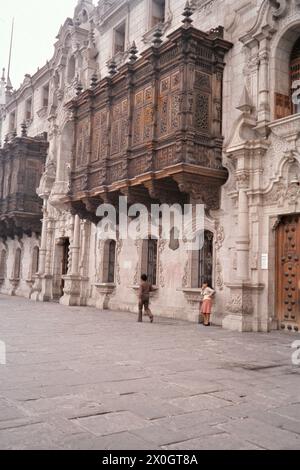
[[152, 130], [21, 166]]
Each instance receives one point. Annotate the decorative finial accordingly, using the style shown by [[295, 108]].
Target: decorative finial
[[112, 68], [24, 129], [187, 13], [133, 53], [157, 37], [9, 86], [14, 133], [94, 80], [79, 88]]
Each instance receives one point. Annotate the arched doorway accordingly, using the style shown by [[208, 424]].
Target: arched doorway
[[295, 77], [286, 65], [61, 266], [288, 272]]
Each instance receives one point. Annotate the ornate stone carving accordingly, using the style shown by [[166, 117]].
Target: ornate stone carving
[[242, 179], [276, 194], [293, 194], [280, 192], [185, 277], [240, 304], [279, 7], [136, 274], [219, 237], [119, 246], [219, 276], [161, 274], [47, 179], [203, 5], [162, 245]]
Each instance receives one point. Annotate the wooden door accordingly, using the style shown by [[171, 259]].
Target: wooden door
[[288, 272], [64, 262]]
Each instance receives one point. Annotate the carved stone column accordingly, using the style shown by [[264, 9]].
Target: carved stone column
[[37, 287], [242, 240], [264, 106], [242, 305], [43, 249], [72, 287], [42, 289], [264, 80], [239, 308], [76, 246]]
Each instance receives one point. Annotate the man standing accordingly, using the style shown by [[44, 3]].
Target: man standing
[[144, 298]]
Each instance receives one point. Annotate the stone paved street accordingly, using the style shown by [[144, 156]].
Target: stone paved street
[[79, 378]]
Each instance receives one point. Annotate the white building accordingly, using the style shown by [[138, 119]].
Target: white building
[[253, 233]]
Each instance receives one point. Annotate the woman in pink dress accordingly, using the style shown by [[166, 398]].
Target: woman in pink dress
[[206, 294]]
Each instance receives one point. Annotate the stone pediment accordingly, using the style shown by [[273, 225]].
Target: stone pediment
[[268, 17], [287, 128], [244, 127]]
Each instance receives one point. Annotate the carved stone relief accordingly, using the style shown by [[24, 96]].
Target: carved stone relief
[[219, 276], [239, 304], [119, 246], [219, 237], [185, 278]]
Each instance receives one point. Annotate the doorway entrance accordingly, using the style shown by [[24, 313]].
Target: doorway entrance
[[61, 267], [288, 272]]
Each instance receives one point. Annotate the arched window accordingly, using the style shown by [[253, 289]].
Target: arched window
[[84, 16], [109, 261], [158, 8], [35, 260], [149, 260], [202, 262], [295, 77], [17, 264], [3, 260]]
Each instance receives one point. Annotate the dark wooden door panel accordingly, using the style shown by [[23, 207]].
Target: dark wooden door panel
[[288, 272]]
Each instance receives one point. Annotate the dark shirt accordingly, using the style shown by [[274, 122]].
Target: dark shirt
[[145, 289]]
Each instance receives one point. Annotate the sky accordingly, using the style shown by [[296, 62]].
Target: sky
[[37, 23]]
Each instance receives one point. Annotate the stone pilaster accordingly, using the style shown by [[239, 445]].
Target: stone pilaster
[[242, 240], [72, 287], [42, 288]]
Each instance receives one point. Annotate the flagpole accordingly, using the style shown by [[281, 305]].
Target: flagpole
[[10, 52]]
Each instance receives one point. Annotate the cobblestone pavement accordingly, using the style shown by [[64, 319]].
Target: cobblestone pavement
[[79, 378]]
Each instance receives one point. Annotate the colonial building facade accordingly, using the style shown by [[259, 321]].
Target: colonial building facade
[[162, 102]]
